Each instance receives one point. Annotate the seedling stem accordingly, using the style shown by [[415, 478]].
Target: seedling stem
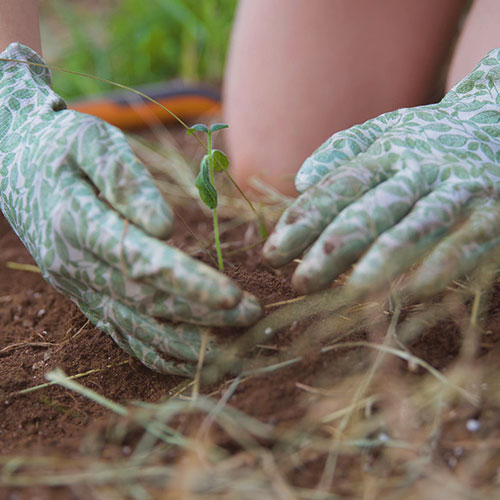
[[216, 222], [261, 225]]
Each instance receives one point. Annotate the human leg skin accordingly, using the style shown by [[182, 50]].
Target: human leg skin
[[298, 71], [479, 35]]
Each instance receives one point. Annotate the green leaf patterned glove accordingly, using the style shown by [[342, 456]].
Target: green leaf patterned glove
[[417, 182], [69, 185]]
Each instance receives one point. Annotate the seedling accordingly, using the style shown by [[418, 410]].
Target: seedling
[[213, 161]]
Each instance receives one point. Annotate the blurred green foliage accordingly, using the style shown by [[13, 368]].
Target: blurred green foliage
[[135, 41]]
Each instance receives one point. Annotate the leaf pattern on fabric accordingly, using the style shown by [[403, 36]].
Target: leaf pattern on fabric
[[91, 217], [401, 191]]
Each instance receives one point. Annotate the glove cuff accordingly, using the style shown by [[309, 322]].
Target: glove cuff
[[28, 76], [19, 52]]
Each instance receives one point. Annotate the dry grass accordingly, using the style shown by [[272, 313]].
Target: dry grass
[[388, 425]]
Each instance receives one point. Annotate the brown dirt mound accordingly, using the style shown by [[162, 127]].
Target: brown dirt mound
[[41, 330]]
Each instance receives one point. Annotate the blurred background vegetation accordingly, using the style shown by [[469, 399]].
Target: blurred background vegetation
[[135, 42]]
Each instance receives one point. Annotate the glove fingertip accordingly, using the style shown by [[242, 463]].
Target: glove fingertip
[[214, 289], [253, 309], [305, 282], [231, 298], [424, 284], [301, 284], [363, 281], [272, 253], [307, 176], [160, 225]]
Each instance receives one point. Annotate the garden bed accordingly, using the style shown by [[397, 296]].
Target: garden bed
[[408, 427]]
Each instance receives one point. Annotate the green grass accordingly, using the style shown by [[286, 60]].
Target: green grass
[[136, 42]]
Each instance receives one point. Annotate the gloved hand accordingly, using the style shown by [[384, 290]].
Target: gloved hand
[[69, 184], [403, 184]]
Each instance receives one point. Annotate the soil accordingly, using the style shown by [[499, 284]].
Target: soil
[[42, 330]]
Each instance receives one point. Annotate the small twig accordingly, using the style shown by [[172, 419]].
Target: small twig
[[262, 227], [330, 467], [268, 347], [201, 359], [23, 267], [362, 403], [104, 80], [60, 378], [80, 330], [244, 249], [71, 377], [214, 413], [284, 302], [11, 347], [390, 350], [42, 344], [472, 332]]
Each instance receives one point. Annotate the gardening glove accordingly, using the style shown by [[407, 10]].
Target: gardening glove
[[417, 182], [91, 217]]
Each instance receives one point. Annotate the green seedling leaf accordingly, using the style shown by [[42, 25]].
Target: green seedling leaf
[[208, 194], [199, 127], [221, 161], [218, 126]]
